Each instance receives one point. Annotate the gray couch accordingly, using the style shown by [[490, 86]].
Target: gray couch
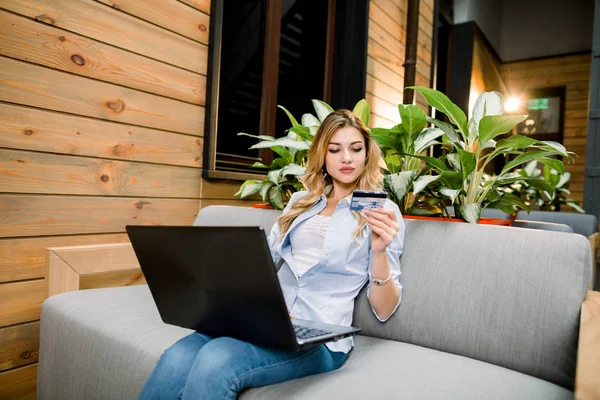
[[487, 312]]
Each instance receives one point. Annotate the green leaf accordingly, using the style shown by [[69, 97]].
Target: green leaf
[[293, 169], [303, 132], [279, 163], [523, 158], [290, 116], [574, 205], [310, 120], [275, 198], [261, 137], [284, 153], [426, 137], [509, 200], [274, 175], [541, 184], [554, 146], [454, 161], [553, 163], [392, 161], [264, 190], [259, 165], [468, 163], [515, 142], [283, 142], [413, 118], [447, 128], [469, 212], [422, 182], [487, 103], [451, 193], [493, 125], [248, 188], [362, 110], [441, 102], [434, 162], [400, 183], [322, 109], [452, 180]]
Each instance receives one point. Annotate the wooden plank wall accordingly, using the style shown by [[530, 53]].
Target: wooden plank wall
[[101, 125], [386, 49], [573, 72]]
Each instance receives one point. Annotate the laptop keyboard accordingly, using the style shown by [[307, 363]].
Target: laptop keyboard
[[307, 333]]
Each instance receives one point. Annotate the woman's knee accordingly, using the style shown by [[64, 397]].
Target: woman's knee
[[184, 351], [220, 355]]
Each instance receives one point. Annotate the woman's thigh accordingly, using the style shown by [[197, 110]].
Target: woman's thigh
[[168, 378], [225, 366]]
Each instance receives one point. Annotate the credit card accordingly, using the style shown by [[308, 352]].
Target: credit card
[[363, 199]]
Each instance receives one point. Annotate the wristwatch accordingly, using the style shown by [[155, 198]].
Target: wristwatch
[[379, 282]]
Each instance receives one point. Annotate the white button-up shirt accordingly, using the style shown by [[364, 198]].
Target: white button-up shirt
[[326, 292]]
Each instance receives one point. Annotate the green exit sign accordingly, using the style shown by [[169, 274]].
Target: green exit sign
[[537, 104]]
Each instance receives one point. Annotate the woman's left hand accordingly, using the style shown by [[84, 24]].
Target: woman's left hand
[[384, 228]]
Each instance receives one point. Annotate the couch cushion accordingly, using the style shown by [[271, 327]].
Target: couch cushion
[[510, 297], [386, 369], [103, 344]]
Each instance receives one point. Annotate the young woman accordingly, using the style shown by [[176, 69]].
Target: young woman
[[327, 254]]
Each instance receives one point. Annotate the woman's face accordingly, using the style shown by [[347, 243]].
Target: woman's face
[[346, 155]]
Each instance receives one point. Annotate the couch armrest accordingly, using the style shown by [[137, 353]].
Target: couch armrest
[[587, 384], [94, 266]]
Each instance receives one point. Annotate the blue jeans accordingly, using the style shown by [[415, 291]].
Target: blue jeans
[[200, 367]]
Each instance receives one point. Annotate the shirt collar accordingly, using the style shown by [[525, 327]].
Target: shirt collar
[[328, 190]]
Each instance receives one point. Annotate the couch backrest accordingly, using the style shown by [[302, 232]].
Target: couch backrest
[[237, 216], [503, 295], [584, 224]]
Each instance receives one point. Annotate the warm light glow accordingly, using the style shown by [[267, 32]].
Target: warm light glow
[[512, 104]]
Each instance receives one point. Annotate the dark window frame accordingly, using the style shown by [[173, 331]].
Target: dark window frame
[[346, 40]]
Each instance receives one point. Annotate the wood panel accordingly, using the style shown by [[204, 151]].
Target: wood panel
[[19, 383], [112, 279], [221, 189], [34, 215], [86, 267], [28, 84], [21, 301], [31, 129], [22, 259], [224, 202], [383, 91], [202, 5], [32, 172], [26, 40], [107, 25], [380, 122], [384, 74], [573, 73], [20, 345], [169, 14], [383, 108], [395, 44]]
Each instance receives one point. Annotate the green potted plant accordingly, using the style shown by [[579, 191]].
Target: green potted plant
[[406, 182], [539, 198], [283, 173], [473, 144]]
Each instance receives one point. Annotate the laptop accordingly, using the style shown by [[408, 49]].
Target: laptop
[[221, 281]]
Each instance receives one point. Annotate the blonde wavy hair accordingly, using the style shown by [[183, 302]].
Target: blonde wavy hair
[[315, 179]]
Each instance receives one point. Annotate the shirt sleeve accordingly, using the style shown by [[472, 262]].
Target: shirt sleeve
[[275, 231], [393, 252]]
